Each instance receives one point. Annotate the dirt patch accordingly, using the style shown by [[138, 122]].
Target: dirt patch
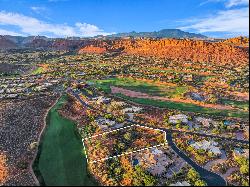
[[4, 173], [243, 96]]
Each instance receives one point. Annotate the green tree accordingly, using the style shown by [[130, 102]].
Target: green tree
[[141, 178], [192, 175], [244, 169], [200, 183], [127, 136], [149, 180], [245, 183]]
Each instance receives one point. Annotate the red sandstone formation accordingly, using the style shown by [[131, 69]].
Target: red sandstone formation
[[93, 49], [174, 49], [238, 41]]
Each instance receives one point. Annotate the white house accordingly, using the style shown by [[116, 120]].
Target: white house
[[209, 146], [132, 109], [184, 183], [178, 118]]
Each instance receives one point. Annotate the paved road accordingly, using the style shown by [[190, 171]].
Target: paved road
[[234, 140], [212, 179]]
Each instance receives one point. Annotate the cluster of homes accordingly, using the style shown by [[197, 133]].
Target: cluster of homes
[[126, 110], [25, 86], [207, 124], [240, 152], [154, 160], [210, 146], [159, 163]]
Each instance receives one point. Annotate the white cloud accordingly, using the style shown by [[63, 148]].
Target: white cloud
[[38, 9], [90, 30], [232, 3], [6, 32], [228, 3], [231, 21], [33, 26]]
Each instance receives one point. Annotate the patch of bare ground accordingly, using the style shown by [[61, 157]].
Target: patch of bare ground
[[21, 123], [242, 96], [3, 169], [136, 94]]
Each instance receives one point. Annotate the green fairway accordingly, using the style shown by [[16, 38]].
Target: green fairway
[[150, 88], [186, 107], [238, 104], [61, 161]]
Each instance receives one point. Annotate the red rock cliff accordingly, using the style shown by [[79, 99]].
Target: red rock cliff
[[181, 50]]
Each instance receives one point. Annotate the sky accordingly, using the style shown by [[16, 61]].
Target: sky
[[86, 18]]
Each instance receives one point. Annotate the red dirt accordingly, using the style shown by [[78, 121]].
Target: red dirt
[[3, 169]]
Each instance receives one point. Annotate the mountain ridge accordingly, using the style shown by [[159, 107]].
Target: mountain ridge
[[164, 33]]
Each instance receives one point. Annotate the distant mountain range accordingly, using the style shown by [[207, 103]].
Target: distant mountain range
[[165, 33], [8, 42]]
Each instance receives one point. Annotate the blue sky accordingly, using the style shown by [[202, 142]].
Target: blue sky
[[61, 18]]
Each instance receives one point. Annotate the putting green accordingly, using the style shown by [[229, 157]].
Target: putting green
[[61, 161]]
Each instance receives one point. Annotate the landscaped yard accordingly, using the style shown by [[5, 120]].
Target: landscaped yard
[[121, 141], [61, 159]]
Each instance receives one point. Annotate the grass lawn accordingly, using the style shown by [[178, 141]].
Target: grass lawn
[[239, 104], [141, 86], [186, 107], [38, 71], [61, 161]]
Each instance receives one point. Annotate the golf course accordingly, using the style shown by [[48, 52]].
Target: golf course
[[169, 91], [60, 159]]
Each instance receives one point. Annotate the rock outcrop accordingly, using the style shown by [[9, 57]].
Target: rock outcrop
[[174, 49], [93, 49], [238, 41]]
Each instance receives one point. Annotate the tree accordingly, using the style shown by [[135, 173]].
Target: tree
[[244, 169], [245, 183], [141, 178], [149, 180], [192, 175], [121, 146], [190, 149], [127, 136], [200, 183]]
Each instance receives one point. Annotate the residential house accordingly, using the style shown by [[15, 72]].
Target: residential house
[[179, 118], [184, 183], [209, 146], [155, 161]]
